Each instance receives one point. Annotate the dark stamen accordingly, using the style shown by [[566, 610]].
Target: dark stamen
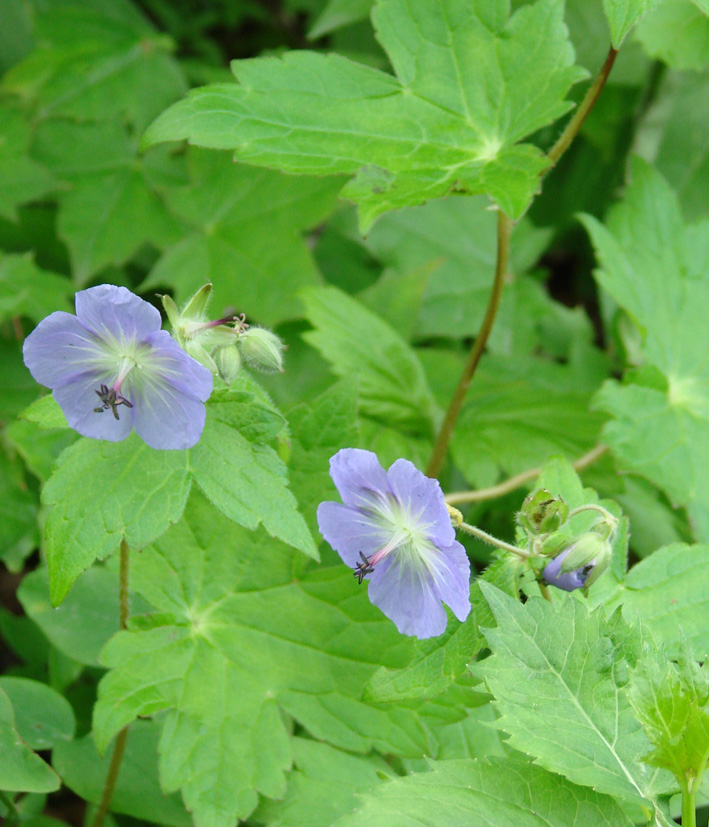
[[361, 570], [111, 400]]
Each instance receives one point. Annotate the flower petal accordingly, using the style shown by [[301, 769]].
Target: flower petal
[[166, 361], [423, 498], [568, 581], [407, 596], [115, 313], [452, 578], [59, 349], [166, 418], [360, 479], [77, 398], [349, 532]]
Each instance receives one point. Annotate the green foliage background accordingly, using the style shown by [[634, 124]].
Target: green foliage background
[[336, 186]]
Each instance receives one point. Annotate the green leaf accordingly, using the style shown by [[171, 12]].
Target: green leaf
[[677, 33], [43, 717], [234, 640], [324, 786], [18, 514], [111, 207], [655, 268], [25, 290], [681, 155], [95, 62], [245, 229], [21, 770], [456, 239], [21, 178], [557, 673], [246, 480], [440, 662], [101, 492], [469, 86], [137, 791], [86, 619], [46, 413], [392, 384], [517, 413], [622, 15], [481, 793], [338, 13], [665, 591], [39, 447], [671, 701], [18, 387], [320, 429]]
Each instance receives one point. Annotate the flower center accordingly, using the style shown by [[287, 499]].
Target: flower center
[[111, 397]]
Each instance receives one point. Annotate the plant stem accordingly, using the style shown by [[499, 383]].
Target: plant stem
[[689, 808], [518, 480], [493, 541], [593, 507], [13, 816], [574, 125], [122, 737], [504, 229]]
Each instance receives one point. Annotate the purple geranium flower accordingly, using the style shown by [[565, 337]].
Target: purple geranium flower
[[111, 369], [395, 531]]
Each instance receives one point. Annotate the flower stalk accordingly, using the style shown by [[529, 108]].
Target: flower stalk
[[122, 737]]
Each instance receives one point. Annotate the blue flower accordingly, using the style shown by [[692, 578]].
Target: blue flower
[[582, 561], [111, 369], [394, 530]]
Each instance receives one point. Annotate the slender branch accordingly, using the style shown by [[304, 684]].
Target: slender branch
[[574, 125], [122, 737], [504, 229], [518, 480], [13, 816], [493, 541]]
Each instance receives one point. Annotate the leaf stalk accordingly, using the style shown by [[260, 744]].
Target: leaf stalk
[[504, 230]]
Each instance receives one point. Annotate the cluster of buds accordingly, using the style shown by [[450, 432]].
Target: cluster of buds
[[577, 560], [222, 345]]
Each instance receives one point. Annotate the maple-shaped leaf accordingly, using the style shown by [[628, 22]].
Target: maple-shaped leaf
[[236, 641], [244, 231], [470, 84], [655, 267]]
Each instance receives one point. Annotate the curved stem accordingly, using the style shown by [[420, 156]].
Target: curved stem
[[122, 737], [493, 541], [518, 480], [574, 125], [504, 229], [593, 507]]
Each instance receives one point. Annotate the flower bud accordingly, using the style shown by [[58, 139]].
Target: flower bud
[[228, 362], [580, 563], [262, 350], [542, 512]]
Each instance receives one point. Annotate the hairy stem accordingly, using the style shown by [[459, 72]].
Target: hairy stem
[[504, 228], [493, 541], [458, 497], [574, 125], [122, 737]]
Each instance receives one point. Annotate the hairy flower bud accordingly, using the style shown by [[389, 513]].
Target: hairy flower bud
[[228, 362], [262, 350], [542, 512]]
